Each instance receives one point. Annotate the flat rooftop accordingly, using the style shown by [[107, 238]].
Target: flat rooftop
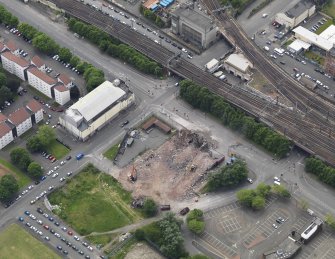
[[285, 250], [194, 17], [299, 8]]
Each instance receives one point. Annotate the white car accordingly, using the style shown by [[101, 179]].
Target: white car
[[276, 179], [46, 215], [69, 173], [90, 248], [76, 238], [51, 188], [62, 162], [40, 233], [54, 175], [32, 202], [62, 179], [57, 235], [50, 172], [32, 216], [64, 229], [30, 187], [39, 222], [184, 50]]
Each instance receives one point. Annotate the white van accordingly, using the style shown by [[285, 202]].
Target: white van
[[266, 48]]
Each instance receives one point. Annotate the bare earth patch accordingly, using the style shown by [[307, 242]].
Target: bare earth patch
[[143, 251], [3, 170], [172, 172]]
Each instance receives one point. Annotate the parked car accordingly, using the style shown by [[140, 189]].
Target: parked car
[[184, 211]]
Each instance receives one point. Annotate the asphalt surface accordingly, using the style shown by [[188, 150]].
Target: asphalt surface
[[163, 93]]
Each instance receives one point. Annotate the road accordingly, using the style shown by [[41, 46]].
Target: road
[[260, 162]]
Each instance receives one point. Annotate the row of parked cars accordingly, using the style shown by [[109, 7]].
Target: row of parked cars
[[47, 227], [316, 26], [67, 65]]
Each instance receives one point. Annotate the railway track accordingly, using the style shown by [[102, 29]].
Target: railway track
[[313, 134]]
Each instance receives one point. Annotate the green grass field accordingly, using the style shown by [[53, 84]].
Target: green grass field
[[101, 239], [112, 152], [324, 26], [57, 149], [21, 177], [330, 8], [18, 243], [94, 202]]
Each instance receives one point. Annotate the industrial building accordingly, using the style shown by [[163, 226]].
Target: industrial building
[[93, 111], [238, 65], [294, 16], [314, 39], [298, 46], [194, 27]]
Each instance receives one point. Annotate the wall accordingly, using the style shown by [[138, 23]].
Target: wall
[[6, 139]]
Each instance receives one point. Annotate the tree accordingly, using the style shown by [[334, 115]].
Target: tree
[[329, 219], [35, 170], [74, 61], [13, 85], [5, 94], [150, 208], [93, 82], [20, 157], [34, 144], [65, 54], [196, 257], [281, 191], [258, 202], [263, 189], [3, 79], [245, 197], [195, 214], [46, 135], [8, 187], [45, 44], [196, 226]]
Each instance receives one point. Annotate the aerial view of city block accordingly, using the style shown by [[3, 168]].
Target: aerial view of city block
[[177, 129]]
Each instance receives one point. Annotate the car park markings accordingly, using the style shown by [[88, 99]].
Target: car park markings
[[264, 230], [222, 210], [309, 249], [219, 245], [230, 225]]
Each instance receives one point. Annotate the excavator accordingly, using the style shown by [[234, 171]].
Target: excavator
[[133, 175]]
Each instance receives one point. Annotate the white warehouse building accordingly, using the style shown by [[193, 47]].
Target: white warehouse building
[[93, 111]]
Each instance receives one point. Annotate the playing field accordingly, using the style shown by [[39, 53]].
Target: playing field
[[18, 243]]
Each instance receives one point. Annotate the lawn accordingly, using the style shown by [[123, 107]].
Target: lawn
[[18, 243], [57, 149], [329, 8], [101, 239], [21, 177], [94, 202], [324, 26], [112, 152]]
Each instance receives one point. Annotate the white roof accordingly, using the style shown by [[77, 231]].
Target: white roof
[[96, 101], [238, 61], [297, 45], [313, 38], [329, 34], [212, 63]]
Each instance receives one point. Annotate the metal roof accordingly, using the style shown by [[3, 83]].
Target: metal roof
[[96, 101], [329, 34], [238, 61], [297, 45], [313, 38]]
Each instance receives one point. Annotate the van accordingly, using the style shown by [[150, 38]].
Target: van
[[165, 207], [266, 48]]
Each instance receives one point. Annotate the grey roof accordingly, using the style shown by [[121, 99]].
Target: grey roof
[[299, 8], [96, 101], [193, 16]]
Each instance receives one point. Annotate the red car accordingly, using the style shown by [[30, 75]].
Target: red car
[[46, 227], [51, 157], [70, 233]]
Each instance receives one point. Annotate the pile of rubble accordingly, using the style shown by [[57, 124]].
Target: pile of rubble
[[172, 172]]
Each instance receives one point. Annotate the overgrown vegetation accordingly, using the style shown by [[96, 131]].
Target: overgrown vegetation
[[165, 235], [112, 152], [93, 201], [329, 8], [254, 198], [20, 176], [195, 221], [8, 87], [259, 7], [152, 16], [325, 173], [314, 56], [150, 208], [228, 176], [115, 48], [8, 187], [238, 5], [201, 98]]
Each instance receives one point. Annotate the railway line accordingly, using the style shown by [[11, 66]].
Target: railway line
[[310, 131]]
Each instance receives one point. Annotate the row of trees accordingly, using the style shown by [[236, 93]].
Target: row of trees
[[195, 221], [8, 87], [7, 18], [152, 16], [325, 173], [115, 48], [256, 198], [41, 140], [228, 176], [20, 158], [201, 98]]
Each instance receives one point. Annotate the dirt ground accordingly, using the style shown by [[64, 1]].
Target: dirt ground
[[172, 172], [3, 170], [143, 251]]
